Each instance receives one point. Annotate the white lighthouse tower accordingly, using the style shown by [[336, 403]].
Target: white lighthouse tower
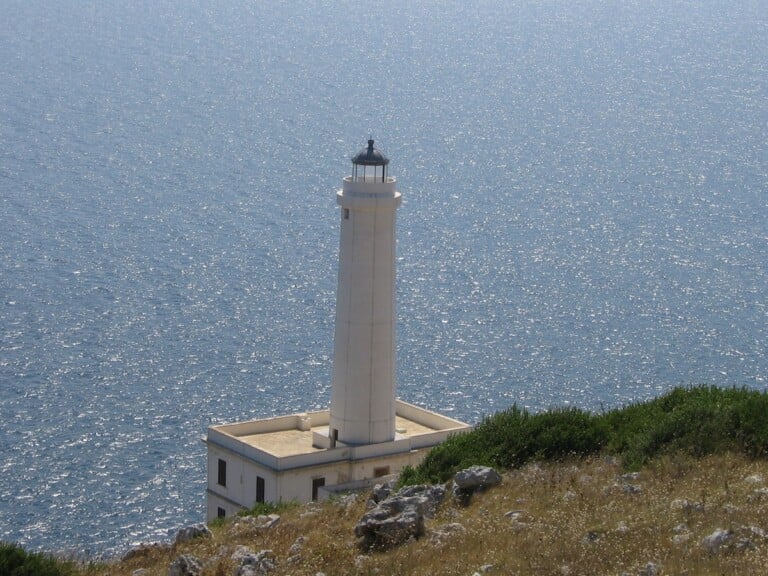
[[367, 433], [363, 392]]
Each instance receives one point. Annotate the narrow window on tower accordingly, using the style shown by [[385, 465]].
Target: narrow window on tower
[[222, 472], [221, 513], [346, 213]]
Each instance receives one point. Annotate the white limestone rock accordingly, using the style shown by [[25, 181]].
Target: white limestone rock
[[191, 532], [240, 553], [294, 552], [185, 565], [473, 479], [399, 517], [650, 569], [298, 545], [446, 531], [514, 515], [686, 505], [632, 489], [382, 491], [390, 524], [256, 564], [716, 540], [476, 478], [426, 497]]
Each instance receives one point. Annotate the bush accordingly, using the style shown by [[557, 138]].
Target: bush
[[266, 508], [696, 421], [15, 561], [511, 438]]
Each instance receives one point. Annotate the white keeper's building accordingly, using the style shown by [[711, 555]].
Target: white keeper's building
[[367, 433]]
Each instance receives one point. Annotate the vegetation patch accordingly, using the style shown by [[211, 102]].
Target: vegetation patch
[[267, 508], [15, 561], [696, 421]]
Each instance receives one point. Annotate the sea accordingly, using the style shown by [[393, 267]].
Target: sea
[[585, 223]]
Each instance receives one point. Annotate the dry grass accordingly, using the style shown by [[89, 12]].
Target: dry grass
[[579, 518]]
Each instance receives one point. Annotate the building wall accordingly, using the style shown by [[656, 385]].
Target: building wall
[[288, 485], [240, 490]]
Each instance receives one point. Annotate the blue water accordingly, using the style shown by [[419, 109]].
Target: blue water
[[586, 198]]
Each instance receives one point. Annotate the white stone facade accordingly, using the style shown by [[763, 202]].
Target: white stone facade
[[366, 434], [287, 459]]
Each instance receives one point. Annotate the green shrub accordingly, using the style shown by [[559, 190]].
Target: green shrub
[[15, 561], [696, 421], [266, 508], [511, 438]]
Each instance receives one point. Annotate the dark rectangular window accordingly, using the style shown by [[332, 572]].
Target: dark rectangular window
[[317, 483], [259, 489], [222, 472], [221, 513], [346, 213], [379, 472]]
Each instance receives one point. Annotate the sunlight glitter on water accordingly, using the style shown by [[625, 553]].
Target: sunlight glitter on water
[[583, 224]]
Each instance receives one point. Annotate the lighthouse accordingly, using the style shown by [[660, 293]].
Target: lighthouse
[[364, 371], [367, 433]]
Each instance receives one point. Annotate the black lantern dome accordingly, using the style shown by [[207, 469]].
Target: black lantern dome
[[370, 165]]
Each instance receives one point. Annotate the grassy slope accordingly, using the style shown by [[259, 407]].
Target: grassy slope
[[701, 455], [575, 518]]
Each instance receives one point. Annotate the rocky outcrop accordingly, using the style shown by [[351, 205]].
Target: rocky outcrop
[[185, 566], [294, 552], [256, 564], [716, 540], [650, 569], [192, 532], [473, 479], [382, 491], [399, 517], [445, 532]]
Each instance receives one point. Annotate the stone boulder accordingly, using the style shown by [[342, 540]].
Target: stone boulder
[[191, 532], [144, 550], [473, 479], [399, 517], [476, 478], [185, 566], [445, 532], [425, 497], [256, 564], [650, 569], [718, 538], [382, 491]]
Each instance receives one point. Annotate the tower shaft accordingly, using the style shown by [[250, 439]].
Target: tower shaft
[[364, 371]]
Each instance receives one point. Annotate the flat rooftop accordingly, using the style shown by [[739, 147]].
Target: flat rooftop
[[292, 442], [297, 439]]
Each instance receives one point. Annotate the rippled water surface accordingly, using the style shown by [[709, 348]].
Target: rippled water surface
[[586, 198]]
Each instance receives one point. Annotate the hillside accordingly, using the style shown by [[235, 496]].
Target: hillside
[[571, 518], [676, 485]]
